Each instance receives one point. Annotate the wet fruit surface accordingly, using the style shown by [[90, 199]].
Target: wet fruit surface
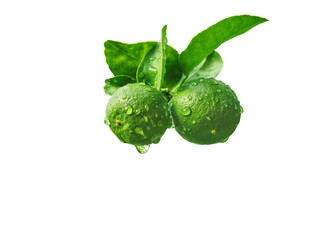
[[205, 111], [138, 114]]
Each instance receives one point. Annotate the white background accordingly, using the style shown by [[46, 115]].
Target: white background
[[64, 175]]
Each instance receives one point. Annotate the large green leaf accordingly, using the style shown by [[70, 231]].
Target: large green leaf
[[112, 84], [153, 66], [203, 44]]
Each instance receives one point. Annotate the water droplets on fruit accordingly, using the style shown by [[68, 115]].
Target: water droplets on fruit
[[147, 108], [186, 111], [146, 119], [219, 90], [143, 149], [241, 109], [226, 139], [138, 111], [139, 130], [190, 97], [207, 117], [194, 122], [129, 110], [118, 102], [124, 96]]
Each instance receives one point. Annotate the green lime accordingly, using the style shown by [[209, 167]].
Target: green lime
[[205, 111], [138, 114]]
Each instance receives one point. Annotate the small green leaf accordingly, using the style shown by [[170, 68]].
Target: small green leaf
[[112, 84], [123, 58], [208, 68], [203, 44], [152, 68]]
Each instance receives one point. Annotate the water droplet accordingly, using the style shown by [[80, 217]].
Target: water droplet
[[200, 98], [190, 97], [124, 96], [152, 58], [188, 129], [147, 108], [139, 130], [207, 117], [206, 95], [219, 90], [186, 111], [194, 122], [193, 84], [226, 139], [235, 107], [135, 98], [226, 105], [153, 69], [201, 80], [129, 110], [184, 129], [157, 106], [106, 121], [143, 149], [146, 119], [156, 115], [217, 100], [241, 109], [138, 111]]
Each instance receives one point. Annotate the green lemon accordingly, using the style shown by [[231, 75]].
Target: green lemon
[[138, 114], [205, 111]]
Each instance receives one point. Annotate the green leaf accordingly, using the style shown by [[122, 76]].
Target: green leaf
[[173, 70], [210, 39], [112, 84], [123, 58], [208, 68], [152, 68]]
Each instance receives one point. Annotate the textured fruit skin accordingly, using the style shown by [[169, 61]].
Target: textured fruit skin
[[138, 114], [205, 111]]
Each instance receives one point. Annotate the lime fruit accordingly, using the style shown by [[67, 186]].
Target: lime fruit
[[138, 114], [205, 111]]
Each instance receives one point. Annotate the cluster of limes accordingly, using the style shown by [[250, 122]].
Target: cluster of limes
[[203, 111]]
